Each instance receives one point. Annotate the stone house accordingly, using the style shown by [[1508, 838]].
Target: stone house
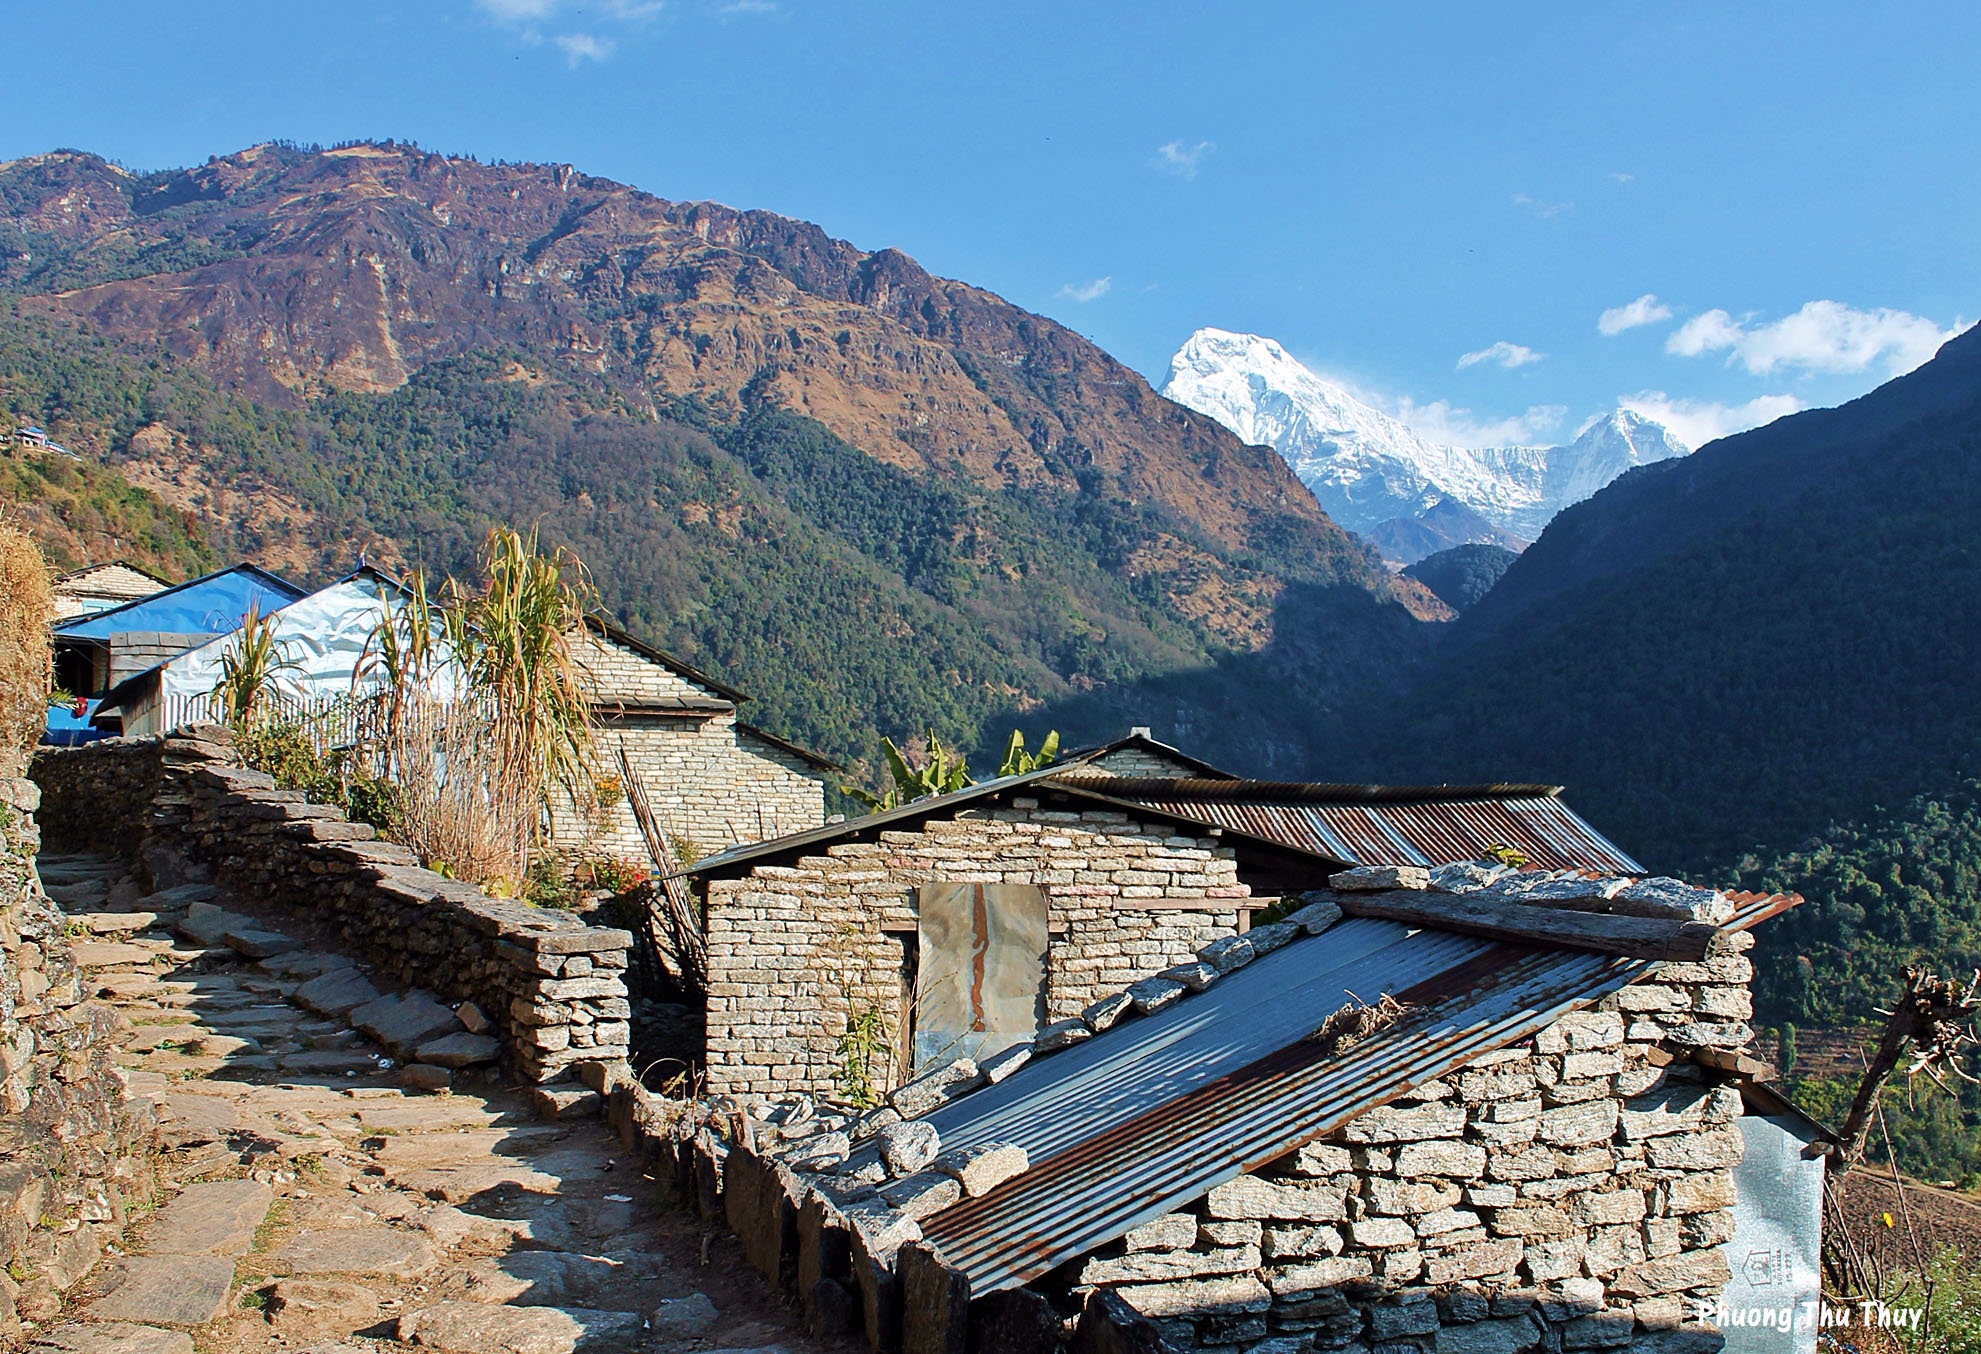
[[965, 923], [98, 587], [714, 781], [1468, 1111]]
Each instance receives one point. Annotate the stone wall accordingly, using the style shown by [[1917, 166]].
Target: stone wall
[[75, 1151], [711, 783], [99, 802], [796, 951], [554, 987], [1570, 1191]]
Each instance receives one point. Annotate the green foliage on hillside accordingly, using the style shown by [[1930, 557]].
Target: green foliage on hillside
[[80, 513], [1463, 574]]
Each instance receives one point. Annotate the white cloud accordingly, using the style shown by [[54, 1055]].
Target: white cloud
[[1697, 422], [1620, 177], [1087, 291], [1439, 421], [1502, 354], [1540, 208], [1184, 158], [583, 47], [1646, 309], [1825, 336]]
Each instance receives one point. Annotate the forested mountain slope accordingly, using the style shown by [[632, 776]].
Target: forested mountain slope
[[882, 500], [1775, 633]]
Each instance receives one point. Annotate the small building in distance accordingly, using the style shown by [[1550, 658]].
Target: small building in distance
[[713, 780], [98, 587]]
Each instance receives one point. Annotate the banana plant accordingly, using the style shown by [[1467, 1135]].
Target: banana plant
[[1018, 762], [943, 771]]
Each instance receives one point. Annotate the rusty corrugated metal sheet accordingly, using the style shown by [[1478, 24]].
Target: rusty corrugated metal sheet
[[1433, 832], [1156, 1113]]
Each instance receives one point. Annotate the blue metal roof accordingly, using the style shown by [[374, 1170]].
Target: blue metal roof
[[212, 605], [1156, 1112]]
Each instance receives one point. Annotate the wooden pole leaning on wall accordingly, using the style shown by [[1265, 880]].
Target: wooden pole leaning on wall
[[672, 919]]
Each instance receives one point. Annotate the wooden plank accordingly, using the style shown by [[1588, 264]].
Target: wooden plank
[[1497, 919]]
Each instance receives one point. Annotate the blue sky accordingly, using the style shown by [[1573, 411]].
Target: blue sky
[[1776, 205]]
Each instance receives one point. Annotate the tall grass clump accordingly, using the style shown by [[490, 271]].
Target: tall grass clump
[[26, 659]]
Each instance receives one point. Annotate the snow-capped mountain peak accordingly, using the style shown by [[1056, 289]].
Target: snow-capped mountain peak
[[1368, 468]]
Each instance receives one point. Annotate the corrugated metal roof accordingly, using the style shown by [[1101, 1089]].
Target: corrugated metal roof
[[1155, 1113], [1376, 825]]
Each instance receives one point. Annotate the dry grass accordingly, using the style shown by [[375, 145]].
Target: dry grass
[[25, 656], [450, 806], [1357, 1021]]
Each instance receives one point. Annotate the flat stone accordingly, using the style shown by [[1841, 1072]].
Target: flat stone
[[296, 1302], [918, 1196], [566, 1102], [384, 1251], [206, 924], [1152, 994], [935, 1088], [1105, 1013], [981, 1169], [906, 1148], [336, 993], [1229, 953], [113, 1337], [426, 1078], [110, 954], [478, 1328], [114, 923], [1001, 1065], [425, 1116], [255, 943], [1380, 878], [678, 1318], [303, 963], [218, 1217], [1196, 977], [472, 1018], [178, 1290], [328, 1062], [459, 1050], [553, 1278], [1316, 917], [404, 1022], [1061, 1034]]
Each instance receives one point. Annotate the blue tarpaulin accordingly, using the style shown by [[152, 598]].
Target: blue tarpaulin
[[211, 605], [66, 728]]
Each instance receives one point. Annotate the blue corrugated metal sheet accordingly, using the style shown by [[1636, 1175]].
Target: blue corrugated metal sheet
[[212, 605], [1154, 1114]]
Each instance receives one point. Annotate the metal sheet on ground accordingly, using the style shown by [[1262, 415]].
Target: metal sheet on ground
[[1772, 1304]]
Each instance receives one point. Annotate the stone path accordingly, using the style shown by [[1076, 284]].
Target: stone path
[[322, 1206]]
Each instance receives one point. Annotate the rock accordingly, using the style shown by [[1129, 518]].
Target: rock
[[907, 1147], [1380, 878], [478, 1328], [935, 1088], [874, 1120], [336, 993], [821, 1152], [680, 1318], [1001, 1065], [552, 1278], [303, 964], [1467, 876], [460, 1050], [1061, 1034], [178, 1290], [919, 1196], [425, 1077], [1231, 952], [206, 924], [566, 1102], [1103, 1014], [471, 1017], [1196, 976], [404, 1023], [217, 1217], [114, 923], [255, 943], [298, 1302], [1152, 994], [1265, 939], [110, 954], [112, 1337], [1316, 917], [380, 1250], [981, 1169]]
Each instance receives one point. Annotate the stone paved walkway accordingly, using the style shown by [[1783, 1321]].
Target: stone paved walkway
[[321, 1207]]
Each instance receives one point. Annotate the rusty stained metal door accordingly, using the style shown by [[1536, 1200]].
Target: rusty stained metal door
[[982, 981]]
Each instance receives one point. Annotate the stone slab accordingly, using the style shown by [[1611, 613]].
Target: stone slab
[[112, 1337], [384, 1251], [110, 954], [176, 1290], [402, 1023], [218, 1217], [256, 943], [336, 993], [460, 1050], [478, 1328]]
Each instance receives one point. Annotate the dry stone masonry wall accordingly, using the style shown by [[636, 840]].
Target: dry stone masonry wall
[[712, 785], [797, 951], [554, 988], [76, 1153]]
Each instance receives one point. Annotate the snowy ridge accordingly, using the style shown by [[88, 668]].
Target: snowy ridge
[[1368, 469]]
